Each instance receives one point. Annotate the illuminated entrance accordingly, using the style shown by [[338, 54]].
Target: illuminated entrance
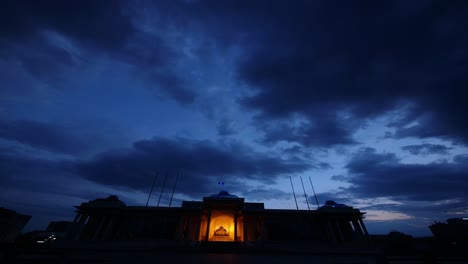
[[222, 218], [222, 226]]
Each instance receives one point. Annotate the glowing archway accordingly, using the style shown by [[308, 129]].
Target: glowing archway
[[221, 227]]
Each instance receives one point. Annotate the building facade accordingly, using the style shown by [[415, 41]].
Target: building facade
[[218, 218], [11, 224]]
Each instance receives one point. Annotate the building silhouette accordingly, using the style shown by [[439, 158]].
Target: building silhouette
[[11, 224], [220, 217]]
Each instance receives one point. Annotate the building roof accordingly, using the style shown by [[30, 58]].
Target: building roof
[[224, 194], [110, 202]]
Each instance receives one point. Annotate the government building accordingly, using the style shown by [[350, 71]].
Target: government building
[[220, 217]]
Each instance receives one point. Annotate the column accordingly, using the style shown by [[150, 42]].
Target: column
[[78, 215], [73, 230], [197, 232], [331, 233], [235, 226], [208, 222], [338, 230], [81, 226], [357, 227], [180, 231], [364, 227], [244, 222], [88, 227], [257, 228], [263, 229], [108, 228], [189, 228], [98, 229]]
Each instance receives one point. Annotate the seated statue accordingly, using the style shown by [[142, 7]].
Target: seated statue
[[221, 231]]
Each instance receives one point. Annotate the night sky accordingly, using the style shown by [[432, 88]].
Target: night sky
[[367, 98]]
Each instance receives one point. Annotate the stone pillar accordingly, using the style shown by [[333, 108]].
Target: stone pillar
[[263, 229], [75, 227], [108, 228], [235, 226], [189, 227], [364, 227], [78, 215], [244, 223], [99, 227], [331, 232], [81, 225], [338, 230], [197, 233], [208, 222], [180, 231], [82, 219], [257, 228], [357, 227]]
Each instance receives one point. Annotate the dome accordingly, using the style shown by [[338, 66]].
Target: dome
[[111, 201], [333, 204], [223, 194]]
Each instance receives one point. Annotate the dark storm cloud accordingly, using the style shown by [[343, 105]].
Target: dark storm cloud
[[312, 59], [428, 210], [364, 58], [426, 148], [383, 175], [202, 164], [266, 194], [43, 188], [325, 58], [170, 85], [320, 132], [47, 136], [225, 127], [32, 175], [35, 35], [100, 24]]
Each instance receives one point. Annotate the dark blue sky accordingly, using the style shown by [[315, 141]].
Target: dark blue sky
[[368, 98]]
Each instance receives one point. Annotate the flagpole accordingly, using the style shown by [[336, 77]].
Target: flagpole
[[294, 194], [315, 195], [162, 189], [305, 195], [152, 186], [173, 189]]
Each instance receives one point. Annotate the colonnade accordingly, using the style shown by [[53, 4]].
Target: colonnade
[[93, 227], [199, 227], [342, 229]]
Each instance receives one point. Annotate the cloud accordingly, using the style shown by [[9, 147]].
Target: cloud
[[389, 189], [318, 60], [39, 176], [44, 188], [425, 149], [202, 163], [319, 132], [101, 25], [309, 59], [366, 59], [263, 194], [225, 127], [51, 137], [382, 175], [49, 40]]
